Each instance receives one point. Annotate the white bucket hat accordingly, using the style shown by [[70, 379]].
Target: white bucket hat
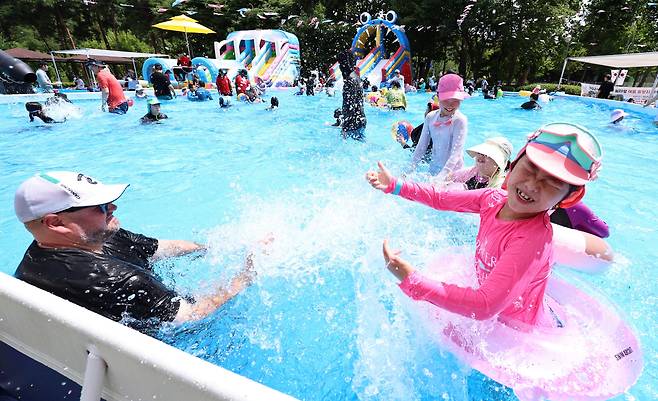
[[617, 114], [498, 148], [56, 191]]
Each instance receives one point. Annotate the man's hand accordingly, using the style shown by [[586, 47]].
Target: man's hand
[[395, 264], [380, 179]]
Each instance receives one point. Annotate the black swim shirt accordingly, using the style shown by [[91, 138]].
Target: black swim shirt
[[116, 283]]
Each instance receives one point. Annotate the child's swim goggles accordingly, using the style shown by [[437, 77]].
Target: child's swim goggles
[[567, 151]]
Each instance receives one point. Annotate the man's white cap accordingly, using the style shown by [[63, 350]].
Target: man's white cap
[[55, 191]]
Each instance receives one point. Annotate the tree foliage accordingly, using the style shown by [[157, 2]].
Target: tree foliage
[[511, 40]]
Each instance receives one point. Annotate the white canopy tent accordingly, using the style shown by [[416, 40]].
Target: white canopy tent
[[91, 53], [629, 60]]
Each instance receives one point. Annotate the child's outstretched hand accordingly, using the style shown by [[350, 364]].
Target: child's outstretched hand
[[395, 264], [380, 179]]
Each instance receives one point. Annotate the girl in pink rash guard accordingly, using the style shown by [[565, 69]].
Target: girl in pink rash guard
[[513, 252]]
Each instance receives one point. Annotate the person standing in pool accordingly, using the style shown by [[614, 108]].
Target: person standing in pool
[[81, 254], [223, 84], [513, 252], [43, 80], [162, 86], [242, 83], [395, 97], [606, 87], [112, 98], [447, 127], [353, 115]]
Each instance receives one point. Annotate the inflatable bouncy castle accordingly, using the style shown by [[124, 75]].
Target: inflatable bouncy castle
[[381, 47], [271, 56]]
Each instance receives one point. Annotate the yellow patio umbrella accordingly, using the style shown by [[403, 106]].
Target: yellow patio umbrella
[[183, 23]]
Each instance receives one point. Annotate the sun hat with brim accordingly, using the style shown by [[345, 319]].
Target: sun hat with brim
[[57, 191], [617, 114], [499, 149], [451, 86], [566, 151]]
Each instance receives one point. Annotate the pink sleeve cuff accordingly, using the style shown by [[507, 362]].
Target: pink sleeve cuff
[[391, 186], [408, 285]]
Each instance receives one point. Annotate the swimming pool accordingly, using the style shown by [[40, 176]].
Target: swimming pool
[[324, 319]]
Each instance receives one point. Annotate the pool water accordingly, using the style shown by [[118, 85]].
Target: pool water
[[324, 319]]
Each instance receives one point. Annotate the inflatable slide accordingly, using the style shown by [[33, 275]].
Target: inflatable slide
[[381, 47]]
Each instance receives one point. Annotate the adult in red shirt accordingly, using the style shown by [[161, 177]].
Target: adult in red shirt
[[223, 84], [112, 98], [184, 61], [241, 82]]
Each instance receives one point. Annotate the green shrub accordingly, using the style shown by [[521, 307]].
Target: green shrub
[[569, 89]]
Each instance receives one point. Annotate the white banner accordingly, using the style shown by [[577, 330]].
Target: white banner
[[638, 94]]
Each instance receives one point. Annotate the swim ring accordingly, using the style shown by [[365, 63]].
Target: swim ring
[[544, 98], [591, 354], [524, 93], [402, 128], [242, 97]]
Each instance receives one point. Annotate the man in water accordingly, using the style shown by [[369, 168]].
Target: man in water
[[606, 87], [112, 98], [354, 118], [81, 254], [43, 80], [162, 86]]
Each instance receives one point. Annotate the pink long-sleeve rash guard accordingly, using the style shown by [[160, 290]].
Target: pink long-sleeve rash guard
[[512, 258]]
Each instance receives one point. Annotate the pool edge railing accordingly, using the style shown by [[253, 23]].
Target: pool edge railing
[[107, 359]]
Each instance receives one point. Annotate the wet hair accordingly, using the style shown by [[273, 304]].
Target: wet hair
[[33, 107], [395, 84], [62, 96], [158, 67], [202, 84], [374, 88], [534, 96], [274, 102], [338, 112]]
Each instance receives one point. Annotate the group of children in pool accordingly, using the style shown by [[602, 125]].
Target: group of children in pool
[[515, 199]]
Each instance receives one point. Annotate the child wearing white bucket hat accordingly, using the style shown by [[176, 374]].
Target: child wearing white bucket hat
[[492, 160], [617, 115]]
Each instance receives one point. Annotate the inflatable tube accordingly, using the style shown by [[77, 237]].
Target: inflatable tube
[[580, 250], [586, 353], [212, 67], [14, 70], [544, 98], [524, 93], [167, 67]]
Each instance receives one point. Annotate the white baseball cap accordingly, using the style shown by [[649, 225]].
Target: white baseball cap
[[56, 191]]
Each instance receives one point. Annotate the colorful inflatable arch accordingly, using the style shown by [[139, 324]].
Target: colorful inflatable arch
[[373, 61]]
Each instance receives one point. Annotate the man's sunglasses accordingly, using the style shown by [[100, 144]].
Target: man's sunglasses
[[104, 208]]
